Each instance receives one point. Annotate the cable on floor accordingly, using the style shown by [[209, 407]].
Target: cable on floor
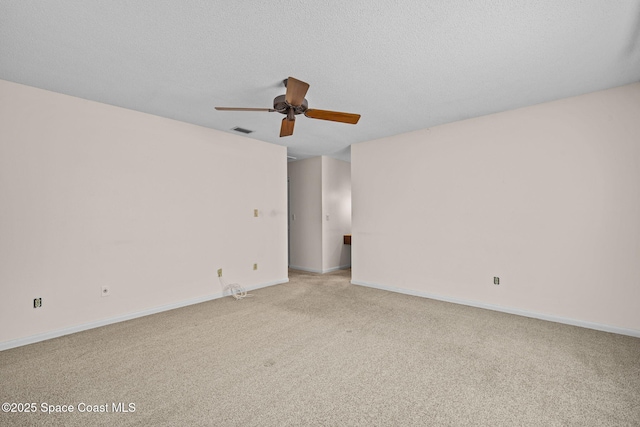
[[236, 291]]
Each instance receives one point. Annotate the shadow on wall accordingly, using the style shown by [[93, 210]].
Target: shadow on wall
[[635, 34]]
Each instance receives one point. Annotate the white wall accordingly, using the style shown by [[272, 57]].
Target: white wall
[[95, 195], [336, 213], [545, 197], [305, 190]]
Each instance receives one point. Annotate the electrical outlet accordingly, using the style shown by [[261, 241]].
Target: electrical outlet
[[255, 213], [496, 280], [37, 302], [219, 272], [255, 266], [105, 291]]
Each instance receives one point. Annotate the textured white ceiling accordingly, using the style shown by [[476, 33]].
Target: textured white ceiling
[[402, 65]]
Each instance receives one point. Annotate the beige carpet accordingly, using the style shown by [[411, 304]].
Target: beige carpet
[[319, 351]]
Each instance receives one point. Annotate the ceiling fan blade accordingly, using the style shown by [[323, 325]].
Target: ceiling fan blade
[[243, 109], [334, 116], [286, 129], [296, 90]]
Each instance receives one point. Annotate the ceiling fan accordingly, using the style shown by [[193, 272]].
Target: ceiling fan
[[293, 103]]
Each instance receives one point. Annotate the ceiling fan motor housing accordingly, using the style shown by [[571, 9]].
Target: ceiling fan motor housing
[[282, 106]]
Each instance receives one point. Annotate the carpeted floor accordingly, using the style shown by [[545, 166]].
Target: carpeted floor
[[320, 351]]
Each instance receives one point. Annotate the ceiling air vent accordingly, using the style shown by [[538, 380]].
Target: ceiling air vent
[[241, 130]]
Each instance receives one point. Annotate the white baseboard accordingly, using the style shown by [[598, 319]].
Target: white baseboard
[[313, 270], [519, 312], [342, 267], [310, 270], [98, 323]]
